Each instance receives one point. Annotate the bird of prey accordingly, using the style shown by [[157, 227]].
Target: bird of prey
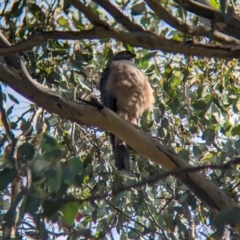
[[125, 90]]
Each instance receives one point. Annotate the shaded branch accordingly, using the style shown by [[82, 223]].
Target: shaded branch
[[231, 27], [118, 15], [93, 18], [167, 17], [144, 39], [201, 10]]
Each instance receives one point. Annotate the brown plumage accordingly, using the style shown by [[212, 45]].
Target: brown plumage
[[125, 90]]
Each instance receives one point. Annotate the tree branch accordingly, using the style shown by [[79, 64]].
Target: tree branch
[[118, 15], [167, 17], [144, 39], [201, 10], [231, 27], [16, 76], [93, 18], [176, 173]]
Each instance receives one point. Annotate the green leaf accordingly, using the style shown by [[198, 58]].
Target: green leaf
[[52, 120], [9, 111], [142, 63], [162, 132], [230, 215], [67, 176], [168, 70], [148, 56], [197, 152], [214, 4], [237, 146], [63, 22], [236, 130], [138, 8], [157, 115], [129, 47], [49, 144], [51, 207], [7, 175], [199, 105], [185, 154], [25, 151], [165, 124], [4, 97], [54, 177], [13, 98], [121, 221], [183, 197], [69, 211], [16, 9], [209, 134], [39, 166], [75, 165], [82, 178], [53, 155], [175, 81], [33, 201]]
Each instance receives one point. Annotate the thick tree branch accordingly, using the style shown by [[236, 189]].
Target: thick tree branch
[[167, 17], [144, 39], [201, 10], [231, 27], [93, 18], [118, 15], [16, 76]]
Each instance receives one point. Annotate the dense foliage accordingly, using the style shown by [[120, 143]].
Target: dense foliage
[[196, 114]]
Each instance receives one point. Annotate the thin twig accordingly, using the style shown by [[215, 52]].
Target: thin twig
[[177, 172], [120, 211], [144, 39], [154, 220]]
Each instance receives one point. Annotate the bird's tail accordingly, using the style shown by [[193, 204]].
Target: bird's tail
[[121, 154]]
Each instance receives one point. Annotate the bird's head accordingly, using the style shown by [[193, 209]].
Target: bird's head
[[124, 55]]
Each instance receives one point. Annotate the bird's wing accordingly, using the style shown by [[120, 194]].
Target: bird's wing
[[120, 150], [107, 98]]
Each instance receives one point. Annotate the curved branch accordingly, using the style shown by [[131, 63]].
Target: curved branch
[[231, 27], [16, 76], [118, 15], [167, 17], [93, 18], [142, 39], [201, 10]]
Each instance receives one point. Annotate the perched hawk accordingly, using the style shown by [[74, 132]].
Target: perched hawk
[[125, 90]]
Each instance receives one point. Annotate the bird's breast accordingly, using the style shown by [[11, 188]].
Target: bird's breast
[[130, 87]]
